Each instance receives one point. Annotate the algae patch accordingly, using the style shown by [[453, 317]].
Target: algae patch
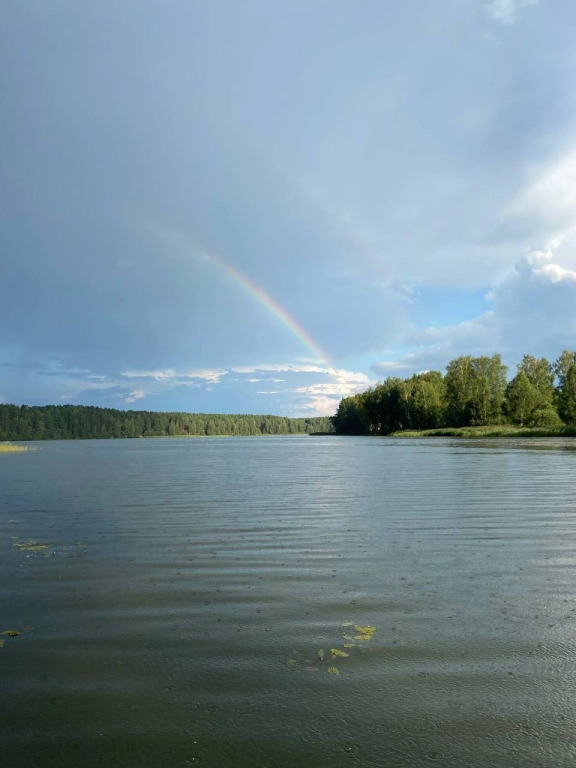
[[9, 448], [42, 546], [10, 633], [365, 633], [31, 546]]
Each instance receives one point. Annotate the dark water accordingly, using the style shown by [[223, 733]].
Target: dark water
[[177, 616]]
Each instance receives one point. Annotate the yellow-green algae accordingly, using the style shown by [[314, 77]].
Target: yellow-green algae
[[31, 546], [9, 448], [365, 633]]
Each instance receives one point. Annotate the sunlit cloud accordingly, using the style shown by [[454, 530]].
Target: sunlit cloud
[[281, 368], [532, 313], [320, 406], [506, 11], [551, 193], [212, 375], [136, 394]]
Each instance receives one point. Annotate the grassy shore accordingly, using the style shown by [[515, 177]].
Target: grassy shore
[[502, 430], [9, 448]]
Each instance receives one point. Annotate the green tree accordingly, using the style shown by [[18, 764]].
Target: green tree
[[350, 418], [540, 374], [474, 390], [567, 396], [427, 400], [521, 399], [562, 365]]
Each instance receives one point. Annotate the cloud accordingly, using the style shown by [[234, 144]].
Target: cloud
[[532, 313], [341, 383], [506, 11], [280, 368], [551, 194], [136, 394], [321, 406], [212, 375]]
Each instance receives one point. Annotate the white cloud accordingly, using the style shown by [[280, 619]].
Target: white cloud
[[136, 394], [532, 313], [212, 375], [342, 384], [322, 389], [551, 193], [157, 375], [280, 368], [506, 11], [321, 406]]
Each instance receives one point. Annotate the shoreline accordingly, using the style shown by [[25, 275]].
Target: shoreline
[[501, 431]]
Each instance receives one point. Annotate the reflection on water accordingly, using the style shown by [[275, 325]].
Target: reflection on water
[[179, 610]]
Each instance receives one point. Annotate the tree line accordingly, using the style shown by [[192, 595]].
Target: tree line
[[473, 392], [65, 422]]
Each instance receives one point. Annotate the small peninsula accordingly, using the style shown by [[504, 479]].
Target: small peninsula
[[473, 399]]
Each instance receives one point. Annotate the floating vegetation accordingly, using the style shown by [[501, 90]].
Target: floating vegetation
[[41, 546], [9, 448], [13, 633], [365, 633], [31, 546]]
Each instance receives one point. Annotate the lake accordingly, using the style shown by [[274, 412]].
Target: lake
[[289, 601]]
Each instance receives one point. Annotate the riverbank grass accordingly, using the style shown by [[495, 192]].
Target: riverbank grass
[[498, 430]]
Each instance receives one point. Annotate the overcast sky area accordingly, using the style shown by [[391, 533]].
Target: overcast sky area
[[264, 206]]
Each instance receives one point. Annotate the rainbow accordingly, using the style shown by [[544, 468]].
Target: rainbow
[[269, 304], [177, 239]]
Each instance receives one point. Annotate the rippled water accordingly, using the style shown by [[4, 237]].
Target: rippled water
[[177, 616]]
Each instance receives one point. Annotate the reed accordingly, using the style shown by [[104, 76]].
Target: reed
[[502, 430]]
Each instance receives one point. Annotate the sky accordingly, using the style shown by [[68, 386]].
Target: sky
[[263, 207]]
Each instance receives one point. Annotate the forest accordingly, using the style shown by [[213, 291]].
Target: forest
[[473, 392], [69, 422]]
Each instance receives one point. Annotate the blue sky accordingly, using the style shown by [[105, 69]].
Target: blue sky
[[262, 207]]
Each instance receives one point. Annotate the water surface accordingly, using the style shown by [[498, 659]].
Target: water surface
[[177, 616]]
